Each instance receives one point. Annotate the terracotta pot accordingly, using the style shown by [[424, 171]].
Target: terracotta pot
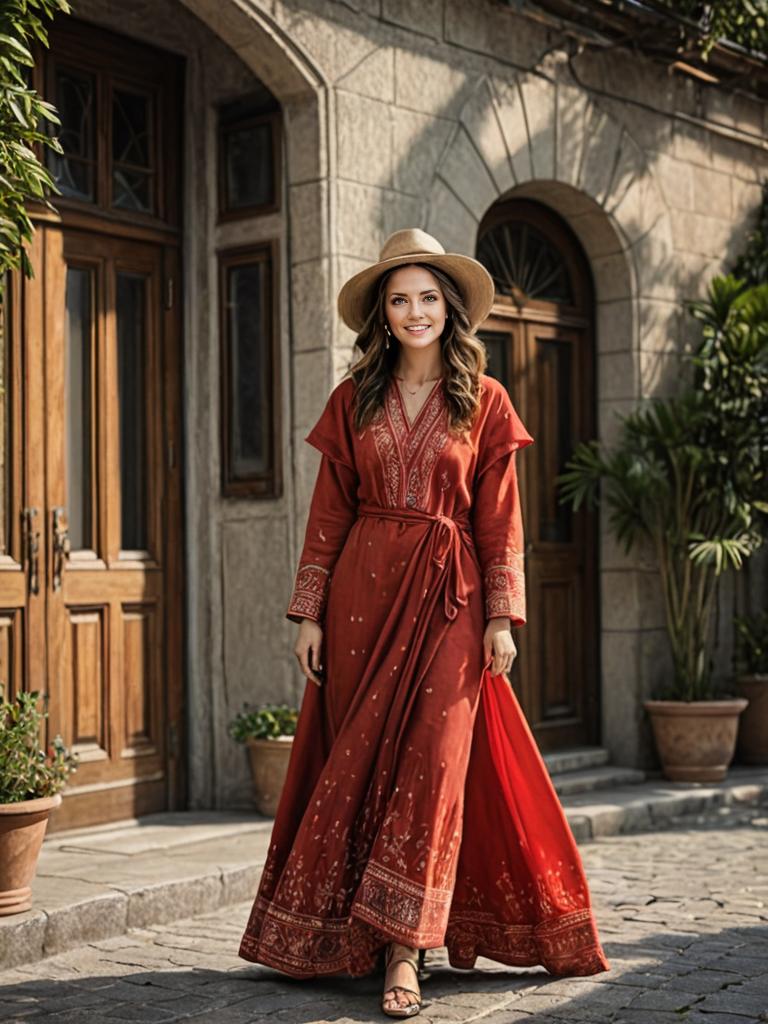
[[752, 744], [269, 764], [22, 827], [696, 739]]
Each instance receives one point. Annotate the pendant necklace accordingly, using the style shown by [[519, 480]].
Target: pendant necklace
[[429, 380]]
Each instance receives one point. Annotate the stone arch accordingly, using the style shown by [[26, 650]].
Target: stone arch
[[531, 137], [304, 94]]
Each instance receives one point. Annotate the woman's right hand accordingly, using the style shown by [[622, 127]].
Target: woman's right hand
[[307, 649]]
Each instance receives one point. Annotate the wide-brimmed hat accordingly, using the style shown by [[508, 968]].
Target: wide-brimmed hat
[[412, 245]]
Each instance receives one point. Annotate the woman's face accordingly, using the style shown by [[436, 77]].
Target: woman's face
[[415, 306]]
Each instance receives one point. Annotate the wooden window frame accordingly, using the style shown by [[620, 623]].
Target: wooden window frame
[[112, 60], [269, 483], [274, 119], [558, 234]]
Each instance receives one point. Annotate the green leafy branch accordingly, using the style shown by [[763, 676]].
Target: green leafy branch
[[27, 771], [23, 118]]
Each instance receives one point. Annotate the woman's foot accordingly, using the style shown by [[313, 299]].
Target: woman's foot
[[402, 996]]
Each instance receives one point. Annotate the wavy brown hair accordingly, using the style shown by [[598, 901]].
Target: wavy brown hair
[[463, 357]]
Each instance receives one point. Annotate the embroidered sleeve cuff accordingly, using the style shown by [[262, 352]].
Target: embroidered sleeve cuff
[[309, 593], [504, 587]]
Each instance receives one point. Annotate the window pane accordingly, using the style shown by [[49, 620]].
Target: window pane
[[248, 166], [249, 390], [555, 441], [73, 171], [131, 151], [79, 409], [524, 264], [6, 327], [131, 365], [497, 348]]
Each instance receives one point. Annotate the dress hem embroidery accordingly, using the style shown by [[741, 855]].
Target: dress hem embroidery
[[305, 947]]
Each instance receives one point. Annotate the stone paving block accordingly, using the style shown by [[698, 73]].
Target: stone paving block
[[97, 918], [632, 1016], [167, 902], [733, 1001], [22, 941], [696, 1017], [667, 999]]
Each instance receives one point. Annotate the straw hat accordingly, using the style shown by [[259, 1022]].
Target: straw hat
[[412, 245]]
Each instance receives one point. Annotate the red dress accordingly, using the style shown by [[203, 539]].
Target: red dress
[[417, 807]]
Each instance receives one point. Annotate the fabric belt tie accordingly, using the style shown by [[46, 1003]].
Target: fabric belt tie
[[444, 546]]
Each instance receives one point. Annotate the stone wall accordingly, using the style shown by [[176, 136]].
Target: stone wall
[[400, 113], [441, 108]]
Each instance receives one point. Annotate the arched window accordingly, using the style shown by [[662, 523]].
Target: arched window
[[524, 264]]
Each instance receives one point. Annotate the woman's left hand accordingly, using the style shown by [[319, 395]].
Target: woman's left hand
[[497, 640]]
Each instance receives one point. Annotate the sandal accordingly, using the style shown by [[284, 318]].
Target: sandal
[[411, 1009]]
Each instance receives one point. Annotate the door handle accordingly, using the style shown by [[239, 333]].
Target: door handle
[[61, 547], [32, 548]]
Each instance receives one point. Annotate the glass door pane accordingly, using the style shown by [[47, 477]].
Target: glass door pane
[[554, 391], [132, 394], [78, 377], [497, 348]]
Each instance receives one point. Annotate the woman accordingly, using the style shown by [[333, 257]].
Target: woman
[[417, 811]]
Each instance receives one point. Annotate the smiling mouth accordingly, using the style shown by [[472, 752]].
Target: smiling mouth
[[418, 328]]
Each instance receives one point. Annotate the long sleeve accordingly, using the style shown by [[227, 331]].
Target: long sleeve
[[332, 511], [497, 515]]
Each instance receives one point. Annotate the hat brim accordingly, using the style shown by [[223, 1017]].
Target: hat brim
[[472, 279]]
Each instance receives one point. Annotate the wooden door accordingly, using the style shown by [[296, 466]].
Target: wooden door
[[23, 654], [91, 542], [540, 347], [106, 445]]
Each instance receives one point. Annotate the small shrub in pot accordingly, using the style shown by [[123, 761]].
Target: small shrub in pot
[[751, 669], [31, 780], [268, 731]]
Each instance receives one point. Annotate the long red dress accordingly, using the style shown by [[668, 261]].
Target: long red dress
[[417, 807]]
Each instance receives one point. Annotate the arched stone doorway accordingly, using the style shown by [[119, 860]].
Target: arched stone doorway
[[540, 342]]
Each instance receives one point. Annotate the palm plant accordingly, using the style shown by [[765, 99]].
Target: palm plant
[[689, 474]]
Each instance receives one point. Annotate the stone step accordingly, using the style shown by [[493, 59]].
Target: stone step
[[655, 804], [97, 883], [576, 759], [587, 781]]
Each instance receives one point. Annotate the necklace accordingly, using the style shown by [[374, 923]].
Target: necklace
[[429, 380]]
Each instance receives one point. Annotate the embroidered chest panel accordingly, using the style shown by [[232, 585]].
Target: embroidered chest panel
[[408, 453]]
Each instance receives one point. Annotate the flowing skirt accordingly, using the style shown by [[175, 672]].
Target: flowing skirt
[[416, 807]]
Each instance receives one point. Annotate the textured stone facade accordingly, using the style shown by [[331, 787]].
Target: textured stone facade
[[400, 113]]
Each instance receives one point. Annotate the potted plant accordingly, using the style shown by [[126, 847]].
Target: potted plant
[[751, 664], [30, 782], [267, 730], [688, 476]]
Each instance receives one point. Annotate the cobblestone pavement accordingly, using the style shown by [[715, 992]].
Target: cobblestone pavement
[[683, 915]]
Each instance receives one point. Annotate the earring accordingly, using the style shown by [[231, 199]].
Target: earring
[[387, 335]]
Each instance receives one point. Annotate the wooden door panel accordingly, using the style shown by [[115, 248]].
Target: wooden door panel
[[105, 616], [141, 674], [545, 367], [12, 641], [88, 642]]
